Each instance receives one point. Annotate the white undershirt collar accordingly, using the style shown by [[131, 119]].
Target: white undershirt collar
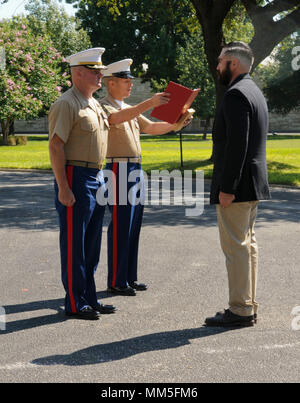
[[120, 103]]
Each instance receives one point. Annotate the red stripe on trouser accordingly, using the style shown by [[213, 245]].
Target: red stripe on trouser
[[114, 220], [70, 243]]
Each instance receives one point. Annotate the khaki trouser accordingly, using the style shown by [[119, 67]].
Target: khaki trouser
[[237, 236]]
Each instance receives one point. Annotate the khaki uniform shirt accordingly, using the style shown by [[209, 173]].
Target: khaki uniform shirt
[[81, 124], [124, 138]]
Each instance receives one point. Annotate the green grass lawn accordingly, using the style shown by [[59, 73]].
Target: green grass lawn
[[163, 152], [33, 155]]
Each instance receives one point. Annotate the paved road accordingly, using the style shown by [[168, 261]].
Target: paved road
[[157, 336]]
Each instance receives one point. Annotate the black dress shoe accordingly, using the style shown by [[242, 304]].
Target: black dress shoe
[[138, 286], [255, 317], [229, 319], [104, 309], [122, 290], [86, 313]]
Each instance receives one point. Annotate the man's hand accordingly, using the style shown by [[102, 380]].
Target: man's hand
[[226, 199], [66, 196], [160, 98], [188, 121], [58, 161]]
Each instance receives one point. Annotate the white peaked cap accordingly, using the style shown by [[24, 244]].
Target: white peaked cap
[[90, 58], [119, 69]]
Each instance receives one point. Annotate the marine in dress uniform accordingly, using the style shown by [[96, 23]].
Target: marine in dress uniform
[[124, 157], [78, 129]]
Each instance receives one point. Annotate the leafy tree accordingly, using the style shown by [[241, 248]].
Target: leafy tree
[[192, 66], [160, 24], [237, 25], [31, 78], [268, 30], [283, 95], [47, 17], [193, 72], [281, 80], [147, 32]]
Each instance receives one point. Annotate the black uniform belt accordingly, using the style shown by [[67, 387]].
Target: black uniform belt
[[85, 164], [123, 159]]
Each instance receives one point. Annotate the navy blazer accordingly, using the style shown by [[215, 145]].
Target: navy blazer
[[239, 140]]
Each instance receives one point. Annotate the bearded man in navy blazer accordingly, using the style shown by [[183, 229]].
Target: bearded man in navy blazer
[[240, 180]]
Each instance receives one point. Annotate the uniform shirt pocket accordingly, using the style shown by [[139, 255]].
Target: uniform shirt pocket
[[89, 121], [89, 125]]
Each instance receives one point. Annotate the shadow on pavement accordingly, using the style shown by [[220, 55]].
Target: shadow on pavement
[[119, 350], [27, 203], [56, 305]]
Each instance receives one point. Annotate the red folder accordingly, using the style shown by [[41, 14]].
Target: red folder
[[181, 98]]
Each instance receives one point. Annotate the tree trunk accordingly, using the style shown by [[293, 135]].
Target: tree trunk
[[211, 15], [5, 124], [268, 33], [12, 128]]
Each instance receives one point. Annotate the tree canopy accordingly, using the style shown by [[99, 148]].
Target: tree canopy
[[172, 40], [47, 17], [193, 72], [281, 76], [269, 31], [149, 32], [31, 77]]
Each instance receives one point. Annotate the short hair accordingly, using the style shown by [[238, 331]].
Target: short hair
[[107, 79], [241, 51], [74, 69]]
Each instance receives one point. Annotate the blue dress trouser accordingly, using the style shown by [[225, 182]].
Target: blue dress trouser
[[80, 237], [124, 229]]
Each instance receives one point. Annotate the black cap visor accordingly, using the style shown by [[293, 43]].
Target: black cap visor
[[123, 74]]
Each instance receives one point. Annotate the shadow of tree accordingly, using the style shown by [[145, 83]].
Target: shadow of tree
[[274, 165], [278, 173], [283, 137], [27, 203]]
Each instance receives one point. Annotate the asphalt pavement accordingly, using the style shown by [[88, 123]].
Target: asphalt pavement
[[158, 335]]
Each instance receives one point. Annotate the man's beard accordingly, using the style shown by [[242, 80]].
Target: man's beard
[[225, 76]]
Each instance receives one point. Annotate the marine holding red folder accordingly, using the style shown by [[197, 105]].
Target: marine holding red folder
[[123, 158]]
